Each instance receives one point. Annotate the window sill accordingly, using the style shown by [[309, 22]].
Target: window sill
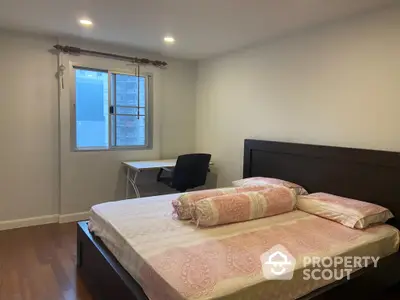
[[139, 148]]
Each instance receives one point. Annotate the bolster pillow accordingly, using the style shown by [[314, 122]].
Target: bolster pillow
[[184, 205], [243, 206]]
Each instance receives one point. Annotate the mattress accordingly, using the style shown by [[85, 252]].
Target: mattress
[[173, 259]]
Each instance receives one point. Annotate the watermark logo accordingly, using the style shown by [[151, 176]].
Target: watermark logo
[[278, 264], [336, 267]]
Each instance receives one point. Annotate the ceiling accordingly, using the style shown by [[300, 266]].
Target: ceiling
[[202, 28]]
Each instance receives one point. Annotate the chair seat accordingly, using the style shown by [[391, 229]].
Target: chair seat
[[166, 180]]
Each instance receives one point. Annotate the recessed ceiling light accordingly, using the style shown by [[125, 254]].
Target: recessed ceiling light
[[169, 40], [85, 22]]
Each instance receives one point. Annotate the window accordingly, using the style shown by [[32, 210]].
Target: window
[[108, 112]]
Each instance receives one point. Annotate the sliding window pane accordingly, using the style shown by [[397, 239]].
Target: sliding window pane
[[91, 109], [127, 90], [131, 131]]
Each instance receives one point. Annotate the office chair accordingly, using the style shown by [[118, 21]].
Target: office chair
[[190, 171]]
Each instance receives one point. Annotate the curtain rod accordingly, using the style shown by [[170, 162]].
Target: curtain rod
[[136, 60]]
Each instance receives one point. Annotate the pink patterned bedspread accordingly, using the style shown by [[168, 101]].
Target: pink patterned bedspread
[[173, 259]]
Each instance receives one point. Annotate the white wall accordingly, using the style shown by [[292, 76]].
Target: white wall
[[29, 130], [31, 159], [334, 85]]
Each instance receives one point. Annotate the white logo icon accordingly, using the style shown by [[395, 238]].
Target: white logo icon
[[278, 264]]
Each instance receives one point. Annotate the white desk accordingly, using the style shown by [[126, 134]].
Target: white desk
[[135, 167]]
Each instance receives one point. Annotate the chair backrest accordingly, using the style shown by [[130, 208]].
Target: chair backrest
[[191, 171]]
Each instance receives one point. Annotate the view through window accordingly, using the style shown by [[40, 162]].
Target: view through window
[[110, 117]]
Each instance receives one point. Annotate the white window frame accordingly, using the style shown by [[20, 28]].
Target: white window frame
[[148, 112]]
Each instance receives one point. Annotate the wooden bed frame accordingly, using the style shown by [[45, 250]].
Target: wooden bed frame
[[368, 175]]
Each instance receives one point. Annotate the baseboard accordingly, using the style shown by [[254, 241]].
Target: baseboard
[[74, 217], [12, 224]]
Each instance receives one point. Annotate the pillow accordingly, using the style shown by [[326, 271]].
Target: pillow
[[183, 206], [349, 212], [243, 206], [265, 181]]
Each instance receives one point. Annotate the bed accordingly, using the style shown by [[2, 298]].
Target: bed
[[138, 243]]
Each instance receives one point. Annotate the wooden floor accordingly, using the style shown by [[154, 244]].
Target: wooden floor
[[38, 263]]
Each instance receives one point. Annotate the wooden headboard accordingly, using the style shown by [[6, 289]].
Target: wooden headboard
[[368, 175]]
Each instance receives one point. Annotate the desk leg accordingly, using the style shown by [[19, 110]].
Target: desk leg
[[131, 181], [128, 175]]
